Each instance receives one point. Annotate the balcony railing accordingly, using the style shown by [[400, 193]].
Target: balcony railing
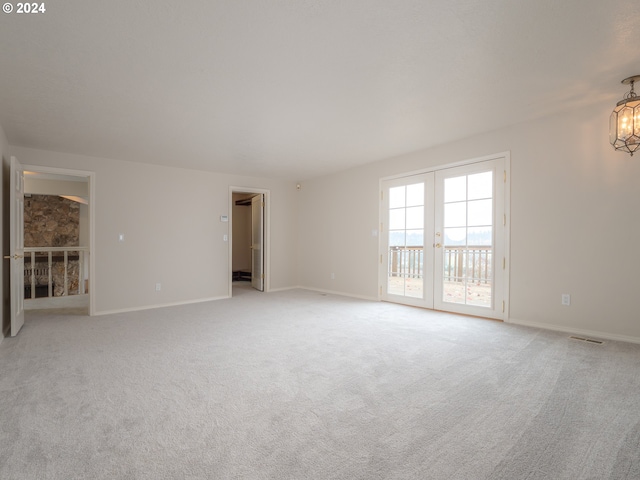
[[55, 271], [474, 263], [406, 262], [459, 262]]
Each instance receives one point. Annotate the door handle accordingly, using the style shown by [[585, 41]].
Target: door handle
[[15, 257], [438, 245]]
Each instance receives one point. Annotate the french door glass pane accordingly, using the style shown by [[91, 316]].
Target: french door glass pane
[[455, 214], [468, 239], [455, 189], [397, 219], [397, 197], [406, 241], [480, 212], [480, 185], [415, 217], [415, 194]]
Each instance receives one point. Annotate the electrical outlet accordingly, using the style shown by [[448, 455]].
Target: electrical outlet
[[566, 299], [158, 287]]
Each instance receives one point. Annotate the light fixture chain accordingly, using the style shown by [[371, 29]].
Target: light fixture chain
[[632, 93]]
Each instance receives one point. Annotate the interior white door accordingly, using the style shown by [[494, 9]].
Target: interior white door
[[257, 242], [16, 245]]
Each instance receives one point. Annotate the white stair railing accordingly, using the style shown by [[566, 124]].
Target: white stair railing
[[33, 273]]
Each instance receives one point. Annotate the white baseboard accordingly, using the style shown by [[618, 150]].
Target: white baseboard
[[282, 289], [342, 294], [578, 331], [162, 305], [5, 333]]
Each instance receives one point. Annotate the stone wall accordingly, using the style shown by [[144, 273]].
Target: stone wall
[[51, 221]]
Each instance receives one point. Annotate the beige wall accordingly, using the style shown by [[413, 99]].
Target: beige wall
[[173, 234], [574, 226], [55, 187], [4, 278]]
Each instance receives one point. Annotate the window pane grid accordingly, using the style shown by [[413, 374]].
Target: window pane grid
[[468, 240], [405, 271]]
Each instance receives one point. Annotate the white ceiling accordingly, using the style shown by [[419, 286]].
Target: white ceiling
[[300, 88]]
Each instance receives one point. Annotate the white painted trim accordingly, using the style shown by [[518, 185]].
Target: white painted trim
[[341, 294], [283, 289], [91, 177], [507, 237], [267, 235], [578, 331], [445, 166], [162, 305]]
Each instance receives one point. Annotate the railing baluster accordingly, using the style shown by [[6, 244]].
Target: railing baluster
[[486, 265], [80, 272], [473, 267], [50, 273], [66, 273], [33, 274]]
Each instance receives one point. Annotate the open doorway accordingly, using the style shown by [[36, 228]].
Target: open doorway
[[58, 239], [24, 269], [248, 242]]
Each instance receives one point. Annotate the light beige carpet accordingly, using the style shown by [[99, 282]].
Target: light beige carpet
[[300, 385]]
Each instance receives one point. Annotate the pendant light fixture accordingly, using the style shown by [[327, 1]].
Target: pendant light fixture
[[624, 123]]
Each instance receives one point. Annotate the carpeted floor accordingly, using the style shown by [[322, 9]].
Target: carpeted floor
[[301, 385]]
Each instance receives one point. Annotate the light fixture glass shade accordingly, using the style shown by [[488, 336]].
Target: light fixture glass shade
[[624, 123]]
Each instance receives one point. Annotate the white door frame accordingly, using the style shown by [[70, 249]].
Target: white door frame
[[506, 157], [91, 177], [267, 234]]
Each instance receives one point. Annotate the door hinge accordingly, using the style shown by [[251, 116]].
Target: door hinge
[[503, 306], [380, 258], [380, 289], [505, 176], [504, 263], [382, 195], [262, 276], [504, 219], [262, 203]]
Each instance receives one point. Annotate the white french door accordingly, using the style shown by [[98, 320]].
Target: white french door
[[443, 239], [407, 230]]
